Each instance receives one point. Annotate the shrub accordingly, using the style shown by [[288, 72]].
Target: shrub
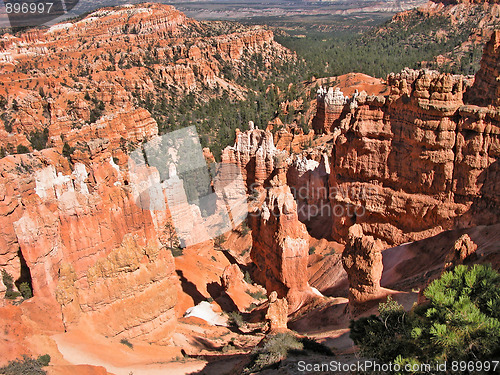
[[235, 319], [26, 366], [257, 295], [25, 290], [39, 139], [244, 228], [312, 249], [248, 278], [316, 347], [219, 241], [22, 149], [252, 306], [176, 251], [67, 151], [11, 294], [127, 343], [274, 350], [461, 321], [8, 281], [44, 360]]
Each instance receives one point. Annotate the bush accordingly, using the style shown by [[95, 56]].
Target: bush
[[22, 149], [8, 281], [127, 343], [248, 278], [11, 294], [44, 360], [461, 321], [25, 290], [235, 319], [67, 151], [219, 241], [257, 295], [312, 249], [316, 347], [244, 228], [39, 139], [177, 251], [274, 350], [26, 366]]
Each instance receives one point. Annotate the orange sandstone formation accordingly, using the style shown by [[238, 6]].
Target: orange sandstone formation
[[253, 152], [463, 249], [281, 244], [277, 313], [420, 161], [362, 260]]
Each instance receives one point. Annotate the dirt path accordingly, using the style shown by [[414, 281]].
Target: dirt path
[[76, 354]]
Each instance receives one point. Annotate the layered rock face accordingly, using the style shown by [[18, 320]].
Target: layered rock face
[[307, 177], [463, 249], [486, 88], [277, 313], [419, 161], [362, 260], [253, 152], [291, 138], [281, 244], [73, 230], [330, 107]]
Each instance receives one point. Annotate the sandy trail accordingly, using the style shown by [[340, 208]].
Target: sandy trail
[[75, 354]]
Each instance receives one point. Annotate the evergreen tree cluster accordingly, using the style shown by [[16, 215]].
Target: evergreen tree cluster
[[388, 48], [460, 322]]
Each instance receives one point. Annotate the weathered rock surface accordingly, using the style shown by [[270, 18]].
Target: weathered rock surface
[[463, 249], [291, 138], [420, 161], [277, 313], [77, 230], [486, 88], [112, 61], [307, 176], [281, 244], [362, 260], [253, 152]]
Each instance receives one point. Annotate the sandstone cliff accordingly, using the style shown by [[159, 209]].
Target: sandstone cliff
[[362, 260], [253, 152], [81, 238], [419, 161]]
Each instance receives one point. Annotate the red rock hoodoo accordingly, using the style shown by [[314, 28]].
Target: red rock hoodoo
[[362, 260], [281, 244]]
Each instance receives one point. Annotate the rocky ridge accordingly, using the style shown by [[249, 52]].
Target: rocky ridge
[[111, 64], [422, 151]]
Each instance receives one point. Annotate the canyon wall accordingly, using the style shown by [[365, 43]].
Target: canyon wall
[[421, 160], [112, 62], [72, 229]]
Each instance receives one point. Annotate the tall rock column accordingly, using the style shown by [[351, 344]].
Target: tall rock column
[[362, 260], [281, 245]]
